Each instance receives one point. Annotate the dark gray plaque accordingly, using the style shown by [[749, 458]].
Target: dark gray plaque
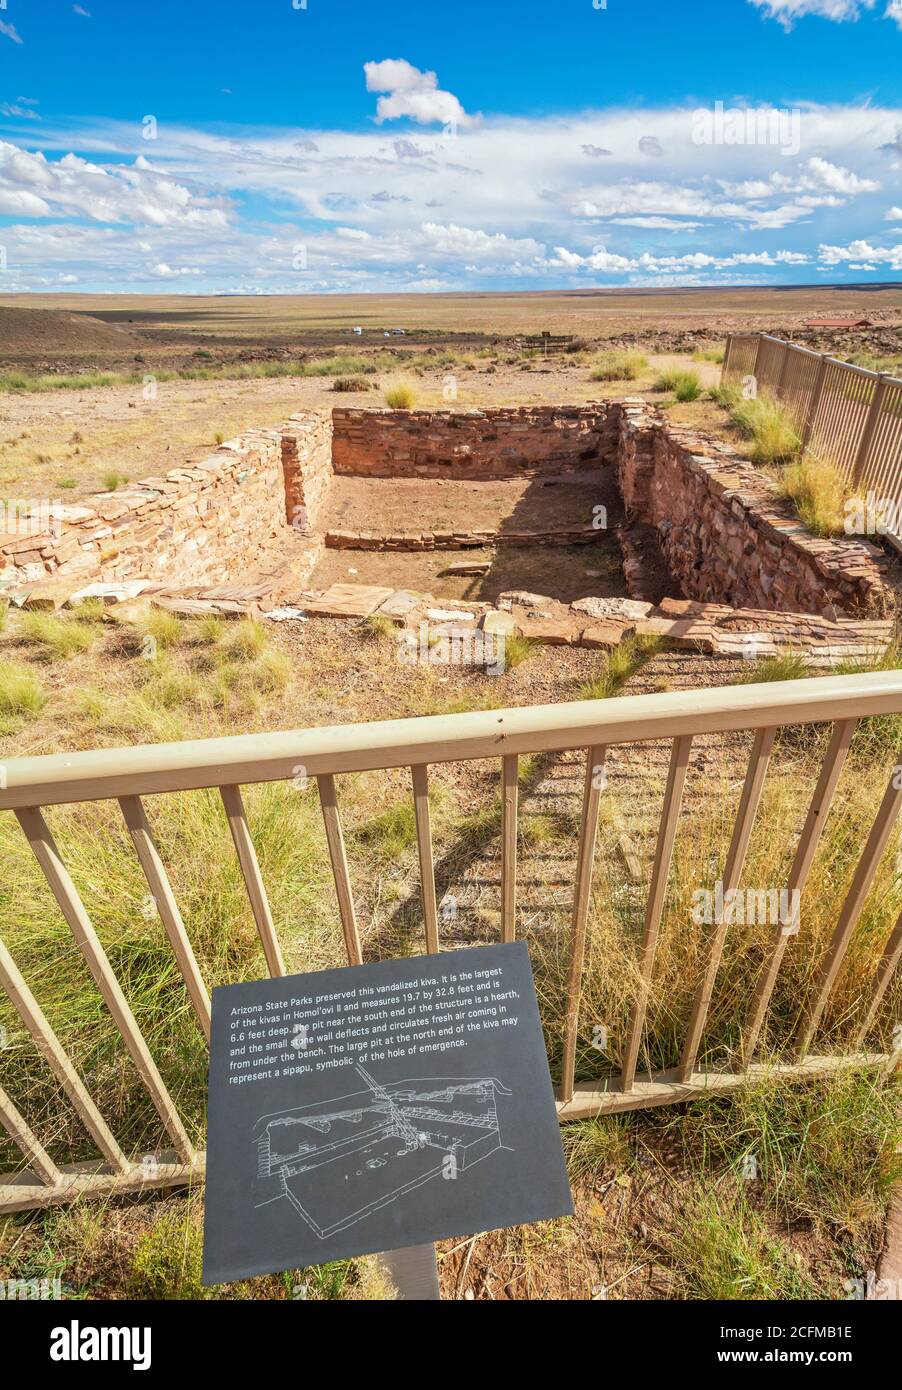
[[375, 1107]]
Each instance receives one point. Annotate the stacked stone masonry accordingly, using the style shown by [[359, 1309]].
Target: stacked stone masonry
[[726, 534], [498, 443], [209, 520]]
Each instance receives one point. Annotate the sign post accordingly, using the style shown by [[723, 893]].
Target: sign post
[[375, 1109], [414, 1272]]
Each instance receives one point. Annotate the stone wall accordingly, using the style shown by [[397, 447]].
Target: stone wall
[[205, 521], [726, 534], [306, 469], [500, 442]]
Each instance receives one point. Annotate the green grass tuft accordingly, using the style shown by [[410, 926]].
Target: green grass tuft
[[55, 636], [618, 366], [21, 693]]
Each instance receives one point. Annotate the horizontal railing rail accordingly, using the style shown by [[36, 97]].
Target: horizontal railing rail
[[57, 778], [30, 785]]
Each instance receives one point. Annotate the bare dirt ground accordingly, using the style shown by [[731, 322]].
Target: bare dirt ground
[[63, 443], [562, 572], [66, 443], [167, 320], [442, 504]]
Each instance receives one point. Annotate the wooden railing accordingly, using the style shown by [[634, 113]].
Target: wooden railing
[[30, 785], [847, 415]]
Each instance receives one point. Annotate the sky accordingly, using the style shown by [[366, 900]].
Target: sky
[[345, 146]]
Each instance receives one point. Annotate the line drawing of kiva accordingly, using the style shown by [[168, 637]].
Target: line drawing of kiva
[[338, 1161]]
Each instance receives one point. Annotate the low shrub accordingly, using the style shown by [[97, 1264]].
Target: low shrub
[[351, 383], [684, 384], [818, 493], [771, 427], [400, 396], [618, 366]]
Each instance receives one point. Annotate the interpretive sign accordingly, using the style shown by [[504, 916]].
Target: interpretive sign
[[375, 1107]]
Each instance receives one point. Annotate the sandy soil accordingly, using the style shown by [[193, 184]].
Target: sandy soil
[[61, 444]]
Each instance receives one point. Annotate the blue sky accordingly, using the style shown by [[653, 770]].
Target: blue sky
[[348, 146]]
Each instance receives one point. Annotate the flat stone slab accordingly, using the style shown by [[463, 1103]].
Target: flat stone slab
[[554, 632], [597, 635], [399, 604], [468, 567], [50, 596], [349, 601], [132, 610], [110, 593], [286, 615], [606, 608], [450, 615], [499, 623]]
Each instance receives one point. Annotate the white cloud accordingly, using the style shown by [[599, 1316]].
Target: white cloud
[[452, 240], [24, 113], [10, 31], [663, 224], [79, 9], [787, 11], [511, 190], [412, 93], [893, 215], [890, 256], [77, 187], [840, 180], [20, 201]]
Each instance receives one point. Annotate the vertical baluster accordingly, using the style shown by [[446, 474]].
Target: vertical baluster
[[851, 911], [670, 814], [420, 775], [335, 838], [253, 879], [582, 891], [509, 801], [812, 830], [53, 1052], [164, 898], [72, 908], [748, 806], [27, 1142], [892, 954]]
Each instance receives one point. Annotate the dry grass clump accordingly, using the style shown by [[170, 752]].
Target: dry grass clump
[[400, 395], [818, 492], [618, 366], [618, 665], [683, 383], [55, 636], [21, 693], [771, 426], [351, 383]]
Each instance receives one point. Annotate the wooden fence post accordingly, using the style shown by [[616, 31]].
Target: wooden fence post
[[815, 401], [783, 365]]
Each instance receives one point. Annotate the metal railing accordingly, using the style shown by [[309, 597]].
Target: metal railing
[[30, 785], [847, 415]]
